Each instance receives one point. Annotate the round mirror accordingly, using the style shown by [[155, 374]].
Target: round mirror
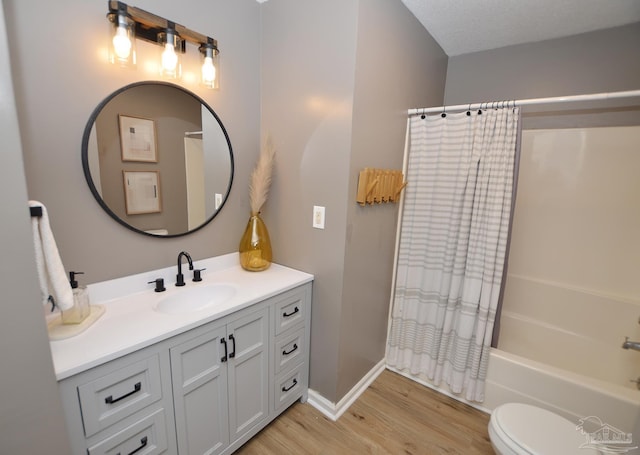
[[157, 159]]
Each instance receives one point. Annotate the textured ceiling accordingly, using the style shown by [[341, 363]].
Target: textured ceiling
[[464, 26]]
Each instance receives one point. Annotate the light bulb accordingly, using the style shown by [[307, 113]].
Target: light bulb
[[208, 71], [122, 43], [169, 58]]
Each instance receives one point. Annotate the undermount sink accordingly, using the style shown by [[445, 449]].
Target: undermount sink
[[197, 298]]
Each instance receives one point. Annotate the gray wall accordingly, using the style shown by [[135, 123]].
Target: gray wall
[[309, 53], [58, 86], [398, 66], [337, 79], [30, 409], [312, 55], [602, 61]]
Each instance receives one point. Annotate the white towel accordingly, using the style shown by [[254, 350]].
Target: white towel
[[51, 273]]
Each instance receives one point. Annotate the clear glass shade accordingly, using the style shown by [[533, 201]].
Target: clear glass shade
[[122, 45], [210, 75], [170, 65]]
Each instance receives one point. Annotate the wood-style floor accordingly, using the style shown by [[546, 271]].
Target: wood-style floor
[[393, 416]]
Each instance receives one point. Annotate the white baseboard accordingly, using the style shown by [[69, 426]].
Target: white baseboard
[[332, 410]]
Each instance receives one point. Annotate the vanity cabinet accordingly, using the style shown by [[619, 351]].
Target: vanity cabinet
[[221, 383], [204, 391], [124, 406]]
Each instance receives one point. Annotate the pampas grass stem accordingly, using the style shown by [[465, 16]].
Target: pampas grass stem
[[261, 178]]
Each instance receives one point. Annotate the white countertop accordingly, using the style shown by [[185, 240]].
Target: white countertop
[[130, 322]]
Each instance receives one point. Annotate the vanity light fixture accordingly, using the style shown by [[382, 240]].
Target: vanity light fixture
[[129, 23]]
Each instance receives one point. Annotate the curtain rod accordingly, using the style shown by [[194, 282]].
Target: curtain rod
[[528, 102]]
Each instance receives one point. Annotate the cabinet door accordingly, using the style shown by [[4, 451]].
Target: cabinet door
[[248, 372], [200, 394]]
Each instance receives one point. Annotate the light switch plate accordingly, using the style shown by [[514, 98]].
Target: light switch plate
[[318, 217]]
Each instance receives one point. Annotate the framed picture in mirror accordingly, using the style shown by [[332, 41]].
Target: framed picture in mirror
[[138, 139], [142, 192]]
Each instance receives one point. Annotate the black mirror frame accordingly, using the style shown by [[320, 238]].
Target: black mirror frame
[[85, 158]]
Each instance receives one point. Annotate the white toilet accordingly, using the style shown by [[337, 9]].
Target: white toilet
[[522, 429]]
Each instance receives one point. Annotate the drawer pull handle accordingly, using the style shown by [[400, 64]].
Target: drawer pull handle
[[293, 349], [286, 389], [233, 340], [136, 388], [288, 315], [224, 357], [143, 444]]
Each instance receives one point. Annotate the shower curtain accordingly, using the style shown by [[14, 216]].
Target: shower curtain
[[452, 246]]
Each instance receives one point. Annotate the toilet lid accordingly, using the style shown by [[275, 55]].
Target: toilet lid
[[538, 431]]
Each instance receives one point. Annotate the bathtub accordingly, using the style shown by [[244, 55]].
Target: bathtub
[[567, 357], [512, 378]]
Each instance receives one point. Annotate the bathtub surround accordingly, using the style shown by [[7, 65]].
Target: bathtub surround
[[571, 295]]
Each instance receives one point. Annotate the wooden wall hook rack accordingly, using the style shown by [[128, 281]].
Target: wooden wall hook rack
[[379, 185]]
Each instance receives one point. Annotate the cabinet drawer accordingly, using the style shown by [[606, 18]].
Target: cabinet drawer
[[290, 310], [288, 388], [117, 395], [289, 350], [147, 436]]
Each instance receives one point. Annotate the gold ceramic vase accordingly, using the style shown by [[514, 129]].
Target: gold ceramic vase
[[255, 245]]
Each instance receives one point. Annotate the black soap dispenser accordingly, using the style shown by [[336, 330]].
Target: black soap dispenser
[[81, 308]]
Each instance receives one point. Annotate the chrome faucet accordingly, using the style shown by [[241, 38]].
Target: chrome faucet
[[635, 345], [180, 276]]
